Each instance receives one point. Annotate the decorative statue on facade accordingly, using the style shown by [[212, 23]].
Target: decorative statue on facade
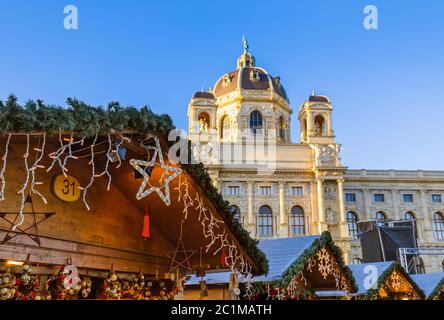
[[326, 153], [330, 216], [204, 122]]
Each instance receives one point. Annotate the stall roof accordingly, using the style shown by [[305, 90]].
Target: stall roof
[[384, 270], [430, 283], [360, 272], [281, 254]]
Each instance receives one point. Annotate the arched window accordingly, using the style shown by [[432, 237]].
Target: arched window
[[303, 130], [255, 121], [418, 264], [265, 222], [204, 121], [297, 221], [357, 260], [380, 216], [352, 220], [282, 129], [235, 211], [319, 126], [438, 226], [410, 216], [225, 127]]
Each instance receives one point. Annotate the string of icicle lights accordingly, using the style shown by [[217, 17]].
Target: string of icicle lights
[[218, 240], [59, 158]]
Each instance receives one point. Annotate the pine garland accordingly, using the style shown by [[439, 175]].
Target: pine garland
[[80, 118]]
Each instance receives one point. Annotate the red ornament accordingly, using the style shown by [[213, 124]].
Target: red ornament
[[223, 258], [146, 224]]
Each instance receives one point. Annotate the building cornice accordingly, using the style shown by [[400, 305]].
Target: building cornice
[[394, 176], [240, 99]]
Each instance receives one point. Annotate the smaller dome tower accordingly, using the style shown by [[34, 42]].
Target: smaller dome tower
[[315, 120]]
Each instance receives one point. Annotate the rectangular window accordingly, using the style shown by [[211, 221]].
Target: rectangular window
[[266, 191], [233, 190], [407, 197], [264, 225], [350, 197], [379, 197], [297, 191], [436, 198]]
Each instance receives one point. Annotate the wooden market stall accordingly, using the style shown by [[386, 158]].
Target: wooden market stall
[[92, 192], [299, 268], [384, 280], [432, 284]]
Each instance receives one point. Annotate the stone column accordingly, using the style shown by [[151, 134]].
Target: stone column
[[427, 231], [343, 225], [396, 214], [322, 226], [250, 217], [283, 225], [366, 204]]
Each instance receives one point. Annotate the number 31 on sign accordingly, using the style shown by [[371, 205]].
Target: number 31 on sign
[[66, 188]]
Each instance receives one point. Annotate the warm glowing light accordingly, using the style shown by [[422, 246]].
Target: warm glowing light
[[14, 263]]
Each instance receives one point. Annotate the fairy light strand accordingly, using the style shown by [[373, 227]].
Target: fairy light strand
[[35, 166], [23, 189], [58, 154], [108, 160], [93, 174], [234, 259], [2, 173]]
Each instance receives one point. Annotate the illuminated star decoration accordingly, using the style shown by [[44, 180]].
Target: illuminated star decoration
[[137, 164]]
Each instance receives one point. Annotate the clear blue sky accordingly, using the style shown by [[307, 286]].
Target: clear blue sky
[[386, 85]]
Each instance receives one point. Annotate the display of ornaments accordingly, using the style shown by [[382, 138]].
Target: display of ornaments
[[28, 285], [139, 287], [112, 287], [85, 287], [8, 288], [66, 284]]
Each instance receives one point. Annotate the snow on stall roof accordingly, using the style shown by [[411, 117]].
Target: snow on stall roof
[[428, 281], [363, 270], [281, 254]]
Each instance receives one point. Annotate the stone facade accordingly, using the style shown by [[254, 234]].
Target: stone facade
[[306, 191]]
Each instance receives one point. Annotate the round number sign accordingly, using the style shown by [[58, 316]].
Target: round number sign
[[66, 188]]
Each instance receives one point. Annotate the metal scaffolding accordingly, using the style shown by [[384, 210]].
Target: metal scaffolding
[[415, 265]]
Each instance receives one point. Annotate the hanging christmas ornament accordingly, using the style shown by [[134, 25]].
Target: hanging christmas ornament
[[8, 288], [28, 285], [146, 224], [139, 287], [223, 258], [71, 282], [164, 180], [112, 286]]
